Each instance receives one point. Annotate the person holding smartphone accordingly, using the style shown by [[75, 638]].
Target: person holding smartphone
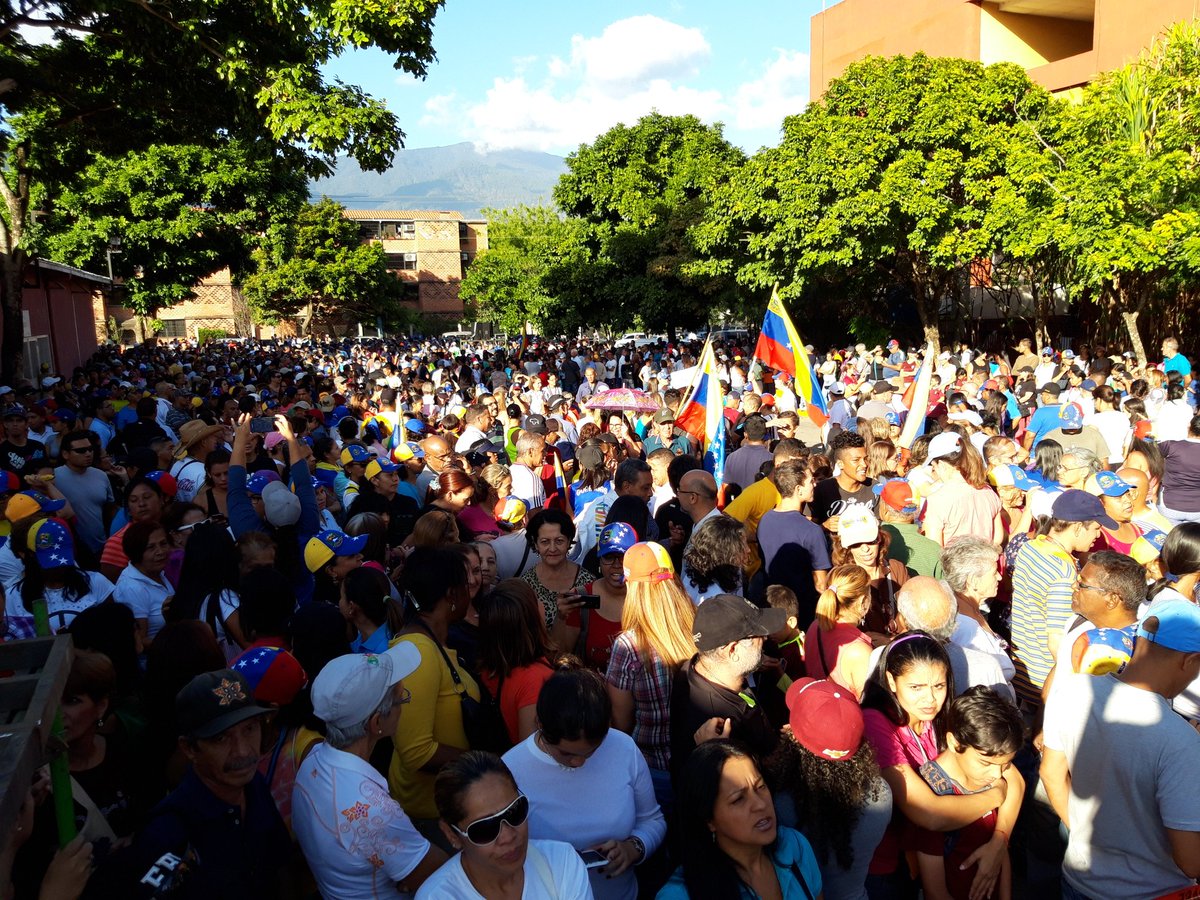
[[594, 624]]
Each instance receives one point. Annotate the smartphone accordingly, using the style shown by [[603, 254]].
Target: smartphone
[[262, 425], [593, 859], [589, 601]]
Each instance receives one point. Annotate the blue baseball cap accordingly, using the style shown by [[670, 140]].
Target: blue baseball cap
[[51, 543], [1080, 506], [356, 453], [1070, 417], [1110, 484], [325, 545], [892, 418], [616, 538], [1009, 475], [1178, 626], [259, 480], [416, 426]]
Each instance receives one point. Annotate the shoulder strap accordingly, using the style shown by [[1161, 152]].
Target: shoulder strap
[[524, 558], [821, 651], [803, 884], [458, 685]]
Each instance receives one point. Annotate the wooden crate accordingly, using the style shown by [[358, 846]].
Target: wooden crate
[[29, 698]]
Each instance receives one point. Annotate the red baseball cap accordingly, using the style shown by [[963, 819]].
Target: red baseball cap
[[899, 496], [825, 718]]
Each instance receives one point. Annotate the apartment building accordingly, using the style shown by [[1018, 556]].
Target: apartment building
[[429, 251], [1063, 44]]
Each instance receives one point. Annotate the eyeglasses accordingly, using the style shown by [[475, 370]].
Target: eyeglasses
[[191, 526], [484, 831], [405, 697], [1063, 468], [1084, 586], [80, 450]]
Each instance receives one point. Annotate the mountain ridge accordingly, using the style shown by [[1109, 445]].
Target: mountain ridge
[[455, 177]]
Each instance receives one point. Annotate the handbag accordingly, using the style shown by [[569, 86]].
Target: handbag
[[482, 722]]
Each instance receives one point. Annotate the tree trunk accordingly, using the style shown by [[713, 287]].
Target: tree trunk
[[928, 311], [12, 350], [1130, 317]]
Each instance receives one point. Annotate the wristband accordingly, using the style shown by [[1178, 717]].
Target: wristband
[[639, 847]]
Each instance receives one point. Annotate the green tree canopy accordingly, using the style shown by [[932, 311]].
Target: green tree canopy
[[638, 191], [122, 81], [884, 183], [533, 253], [317, 264]]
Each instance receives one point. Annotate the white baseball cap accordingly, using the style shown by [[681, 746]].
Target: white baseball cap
[[944, 444], [351, 687], [857, 525]]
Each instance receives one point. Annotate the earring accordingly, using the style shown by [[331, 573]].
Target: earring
[[714, 836]]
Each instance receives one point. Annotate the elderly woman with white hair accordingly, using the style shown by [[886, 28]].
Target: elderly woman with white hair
[[356, 838], [971, 567]]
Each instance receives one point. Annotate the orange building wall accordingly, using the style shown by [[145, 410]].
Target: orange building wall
[[1059, 54]]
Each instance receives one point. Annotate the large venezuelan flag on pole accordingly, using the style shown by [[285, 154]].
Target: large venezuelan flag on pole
[[779, 346], [916, 398], [700, 413]]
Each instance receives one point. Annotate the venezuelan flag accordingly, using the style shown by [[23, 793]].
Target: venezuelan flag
[[779, 346], [916, 398], [700, 412], [565, 500]]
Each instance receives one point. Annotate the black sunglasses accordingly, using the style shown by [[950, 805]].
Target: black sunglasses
[[484, 831]]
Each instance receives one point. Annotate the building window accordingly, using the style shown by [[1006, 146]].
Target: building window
[[463, 234], [368, 231], [174, 328], [391, 231], [401, 261]]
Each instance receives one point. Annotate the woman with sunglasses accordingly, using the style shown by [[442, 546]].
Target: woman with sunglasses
[[589, 782], [486, 818]]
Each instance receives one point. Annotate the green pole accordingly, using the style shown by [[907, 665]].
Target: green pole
[[60, 772]]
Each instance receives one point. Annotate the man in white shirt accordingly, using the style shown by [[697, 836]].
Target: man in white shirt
[[358, 842], [526, 468], [1119, 767]]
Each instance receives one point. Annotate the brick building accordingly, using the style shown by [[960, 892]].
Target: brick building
[[1062, 44], [217, 304], [428, 250]]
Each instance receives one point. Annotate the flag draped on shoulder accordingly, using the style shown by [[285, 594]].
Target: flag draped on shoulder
[[779, 346], [563, 487], [701, 414], [916, 399]]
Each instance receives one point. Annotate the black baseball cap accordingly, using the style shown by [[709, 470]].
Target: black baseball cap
[[1052, 388], [536, 424], [727, 618], [214, 701]]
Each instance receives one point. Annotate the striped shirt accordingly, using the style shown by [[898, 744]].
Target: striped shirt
[[1043, 581]]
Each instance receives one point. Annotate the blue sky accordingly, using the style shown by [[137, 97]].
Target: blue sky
[[545, 75]]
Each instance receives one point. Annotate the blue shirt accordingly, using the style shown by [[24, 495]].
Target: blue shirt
[[228, 852], [377, 643], [1178, 363], [793, 858], [1043, 421]]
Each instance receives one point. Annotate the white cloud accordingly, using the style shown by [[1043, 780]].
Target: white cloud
[[633, 67], [440, 110], [782, 90]]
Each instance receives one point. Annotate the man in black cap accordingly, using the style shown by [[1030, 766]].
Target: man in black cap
[[218, 834], [1046, 418], [711, 689], [662, 434]]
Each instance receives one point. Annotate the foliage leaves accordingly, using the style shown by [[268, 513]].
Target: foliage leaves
[[319, 258]]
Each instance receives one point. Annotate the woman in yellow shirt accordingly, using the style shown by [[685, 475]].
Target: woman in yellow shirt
[[431, 732]]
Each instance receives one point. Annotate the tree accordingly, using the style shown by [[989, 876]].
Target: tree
[[1132, 184], [182, 212], [318, 264], [638, 192], [533, 252], [882, 183], [119, 79]]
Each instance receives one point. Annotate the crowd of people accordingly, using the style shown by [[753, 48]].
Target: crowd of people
[[380, 617]]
